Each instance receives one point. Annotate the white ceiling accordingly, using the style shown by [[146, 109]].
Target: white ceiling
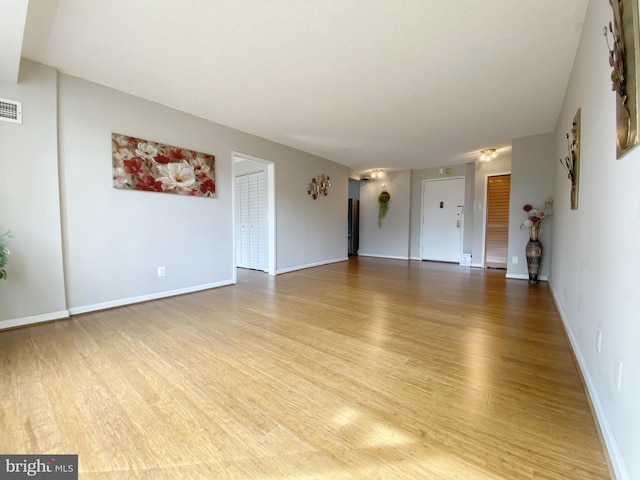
[[366, 83]]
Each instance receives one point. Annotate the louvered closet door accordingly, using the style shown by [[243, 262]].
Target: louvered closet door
[[251, 221], [259, 231], [497, 236]]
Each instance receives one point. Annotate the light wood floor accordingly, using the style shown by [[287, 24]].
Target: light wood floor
[[372, 369]]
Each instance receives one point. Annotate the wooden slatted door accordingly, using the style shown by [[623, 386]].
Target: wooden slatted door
[[497, 235]]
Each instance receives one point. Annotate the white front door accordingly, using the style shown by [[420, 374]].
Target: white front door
[[442, 216]]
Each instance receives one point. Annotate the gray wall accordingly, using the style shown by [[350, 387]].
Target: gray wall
[[595, 262], [29, 201], [354, 189], [112, 240], [246, 166], [392, 240], [532, 182]]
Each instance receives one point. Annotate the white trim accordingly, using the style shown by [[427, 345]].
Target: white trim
[[146, 298], [392, 257], [476, 265], [271, 210], [464, 204], [617, 463], [311, 265], [484, 216], [45, 317], [525, 276]]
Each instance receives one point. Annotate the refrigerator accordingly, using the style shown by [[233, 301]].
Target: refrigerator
[[353, 235]]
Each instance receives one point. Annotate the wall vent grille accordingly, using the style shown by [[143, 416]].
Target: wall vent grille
[[10, 111]]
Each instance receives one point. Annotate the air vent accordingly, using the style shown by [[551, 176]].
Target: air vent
[[10, 111]]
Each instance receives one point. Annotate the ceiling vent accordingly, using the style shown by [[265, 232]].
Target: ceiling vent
[[10, 111]]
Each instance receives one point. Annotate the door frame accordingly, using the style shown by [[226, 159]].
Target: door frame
[[464, 201], [271, 210], [486, 213]]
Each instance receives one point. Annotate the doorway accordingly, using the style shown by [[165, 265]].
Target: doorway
[[442, 219], [251, 220], [497, 229], [254, 213]]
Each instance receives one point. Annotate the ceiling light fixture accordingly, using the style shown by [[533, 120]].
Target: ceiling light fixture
[[487, 154], [376, 173]]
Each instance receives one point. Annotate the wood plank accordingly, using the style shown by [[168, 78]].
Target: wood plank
[[369, 368], [497, 231]]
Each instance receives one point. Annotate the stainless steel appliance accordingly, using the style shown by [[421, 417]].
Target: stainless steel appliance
[[354, 226]]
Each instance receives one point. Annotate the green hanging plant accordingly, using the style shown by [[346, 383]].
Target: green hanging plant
[[4, 251], [383, 201]]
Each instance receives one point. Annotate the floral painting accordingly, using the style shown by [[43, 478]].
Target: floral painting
[[144, 165]]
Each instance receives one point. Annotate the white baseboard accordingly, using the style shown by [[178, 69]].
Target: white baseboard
[[525, 276], [473, 265], [617, 462], [392, 257], [146, 298], [310, 265], [46, 317]]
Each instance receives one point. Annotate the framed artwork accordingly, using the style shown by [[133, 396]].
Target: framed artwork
[[571, 163], [574, 152], [140, 164], [624, 59]]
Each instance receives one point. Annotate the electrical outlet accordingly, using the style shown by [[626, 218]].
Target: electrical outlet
[[598, 340], [161, 271], [514, 260], [618, 376]]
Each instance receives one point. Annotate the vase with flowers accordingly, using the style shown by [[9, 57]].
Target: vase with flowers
[[533, 250]]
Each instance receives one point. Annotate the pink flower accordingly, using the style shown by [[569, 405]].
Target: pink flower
[[535, 216]]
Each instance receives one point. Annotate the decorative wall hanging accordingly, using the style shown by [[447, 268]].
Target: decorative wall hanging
[[571, 162], [144, 165], [319, 186], [624, 52], [383, 202], [4, 251]]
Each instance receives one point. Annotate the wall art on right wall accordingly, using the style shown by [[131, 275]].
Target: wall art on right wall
[[624, 51], [571, 162]]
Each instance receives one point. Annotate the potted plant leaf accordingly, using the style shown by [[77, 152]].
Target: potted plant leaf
[[4, 251]]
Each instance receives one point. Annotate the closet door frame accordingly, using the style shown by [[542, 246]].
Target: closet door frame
[[271, 211]]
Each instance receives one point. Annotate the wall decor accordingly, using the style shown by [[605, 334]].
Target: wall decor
[[624, 59], [319, 186], [4, 251], [383, 203], [140, 164], [571, 163]]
